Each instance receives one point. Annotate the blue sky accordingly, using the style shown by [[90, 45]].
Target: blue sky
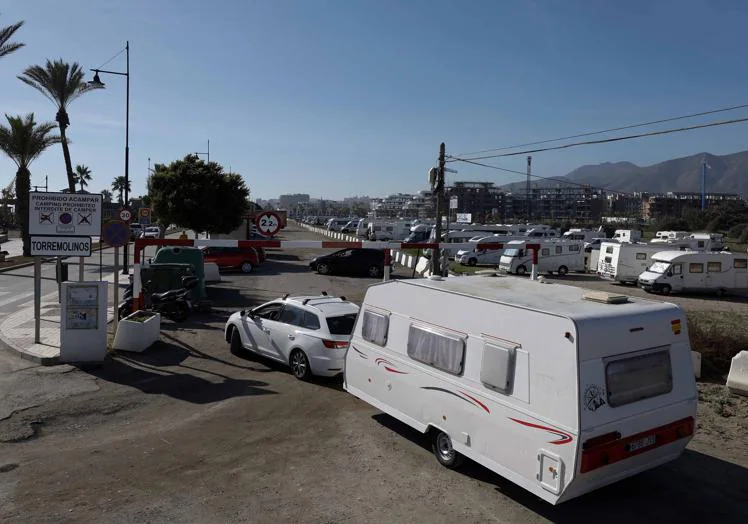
[[344, 97]]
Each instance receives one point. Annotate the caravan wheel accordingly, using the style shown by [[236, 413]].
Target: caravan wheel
[[521, 270], [563, 270], [441, 444]]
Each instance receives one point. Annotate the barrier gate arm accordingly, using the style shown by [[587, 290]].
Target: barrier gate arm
[[142, 243]]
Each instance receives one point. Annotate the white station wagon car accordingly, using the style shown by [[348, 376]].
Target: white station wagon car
[[308, 333]]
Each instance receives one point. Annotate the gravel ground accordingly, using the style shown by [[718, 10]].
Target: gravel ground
[[187, 432]]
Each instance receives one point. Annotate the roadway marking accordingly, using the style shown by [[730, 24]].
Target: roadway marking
[[14, 297]]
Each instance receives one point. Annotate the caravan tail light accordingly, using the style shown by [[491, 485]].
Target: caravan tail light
[[335, 344], [611, 448]]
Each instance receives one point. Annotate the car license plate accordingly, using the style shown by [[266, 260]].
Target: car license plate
[[645, 442]]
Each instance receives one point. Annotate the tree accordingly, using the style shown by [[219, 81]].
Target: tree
[[82, 175], [6, 33], [106, 195], [61, 83], [118, 185], [23, 140], [198, 195]]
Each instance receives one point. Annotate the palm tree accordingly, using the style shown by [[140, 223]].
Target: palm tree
[[61, 83], [106, 195], [118, 185], [23, 140], [6, 33], [82, 175]]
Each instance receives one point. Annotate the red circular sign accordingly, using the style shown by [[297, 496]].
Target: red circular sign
[[125, 215], [268, 223]]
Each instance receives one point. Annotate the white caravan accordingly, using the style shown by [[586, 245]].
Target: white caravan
[[678, 271], [558, 389], [362, 229], [627, 235], [558, 256], [624, 262], [665, 236], [480, 255], [389, 230]]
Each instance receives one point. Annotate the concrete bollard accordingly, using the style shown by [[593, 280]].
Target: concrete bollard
[[737, 379]]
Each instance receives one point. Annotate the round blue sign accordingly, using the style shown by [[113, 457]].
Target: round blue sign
[[115, 233], [66, 218]]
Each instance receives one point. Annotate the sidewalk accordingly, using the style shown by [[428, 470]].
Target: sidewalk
[[17, 329]]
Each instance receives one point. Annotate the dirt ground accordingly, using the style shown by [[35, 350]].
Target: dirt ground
[[187, 432]]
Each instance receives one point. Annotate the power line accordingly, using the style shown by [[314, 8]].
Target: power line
[[115, 56], [606, 140], [592, 133], [552, 179]]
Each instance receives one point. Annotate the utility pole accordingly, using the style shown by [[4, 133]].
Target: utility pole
[[704, 166], [439, 192], [528, 190]]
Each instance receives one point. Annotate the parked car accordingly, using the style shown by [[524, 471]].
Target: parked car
[[308, 333], [242, 258], [354, 261], [135, 231], [151, 232]]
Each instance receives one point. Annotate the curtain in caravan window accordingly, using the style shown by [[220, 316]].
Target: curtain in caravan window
[[442, 351], [375, 327]]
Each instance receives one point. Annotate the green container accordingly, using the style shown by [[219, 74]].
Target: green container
[[171, 261]]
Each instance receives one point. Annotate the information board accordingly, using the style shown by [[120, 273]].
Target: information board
[[66, 214]]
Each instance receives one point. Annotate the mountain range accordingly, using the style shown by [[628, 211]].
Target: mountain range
[[726, 174]]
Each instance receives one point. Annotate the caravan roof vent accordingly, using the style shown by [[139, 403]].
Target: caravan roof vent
[[605, 297]]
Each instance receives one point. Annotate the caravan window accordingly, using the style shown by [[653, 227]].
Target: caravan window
[[714, 267], [440, 350], [641, 256], [559, 249], [695, 268], [740, 263], [545, 252], [639, 377], [609, 249], [573, 248], [497, 368], [375, 327]]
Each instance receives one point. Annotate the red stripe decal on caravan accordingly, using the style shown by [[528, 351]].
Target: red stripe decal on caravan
[[481, 404], [360, 353], [469, 400], [563, 438], [389, 366]]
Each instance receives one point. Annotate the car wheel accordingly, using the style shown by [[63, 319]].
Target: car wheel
[[562, 270], [300, 365], [246, 267], [521, 270], [235, 346], [375, 271], [666, 289], [322, 268], [441, 444], [472, 262]]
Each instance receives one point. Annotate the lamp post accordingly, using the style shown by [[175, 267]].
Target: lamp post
[[207, 153], [97, 82]]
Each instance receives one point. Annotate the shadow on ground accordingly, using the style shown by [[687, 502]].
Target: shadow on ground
[[696, 486]]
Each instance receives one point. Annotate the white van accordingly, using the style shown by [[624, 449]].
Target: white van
[[559, 256], [624, 262], [558, 389], [627, 235], [585, 235], [677, 271]]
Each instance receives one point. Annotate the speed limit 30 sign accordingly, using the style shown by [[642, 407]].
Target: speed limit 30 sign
[[268, 223], [125, 215]]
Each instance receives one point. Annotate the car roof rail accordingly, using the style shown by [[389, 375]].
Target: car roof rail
[[285, 296]]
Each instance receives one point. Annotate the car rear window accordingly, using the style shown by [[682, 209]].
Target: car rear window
[[342, 325]]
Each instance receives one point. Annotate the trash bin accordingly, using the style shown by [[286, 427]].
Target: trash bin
[[185, 255], [62, 272]]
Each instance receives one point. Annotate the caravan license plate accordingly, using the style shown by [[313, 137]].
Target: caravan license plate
[[645, 442]]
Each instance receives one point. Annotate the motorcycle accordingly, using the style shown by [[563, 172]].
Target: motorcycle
[[173, 304]]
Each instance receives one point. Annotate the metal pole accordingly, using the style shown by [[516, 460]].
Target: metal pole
[[81, 263], [127, 147], [209, 150], [116, 288], [435, 253], [37, 299], [528, 190], [703, 184]]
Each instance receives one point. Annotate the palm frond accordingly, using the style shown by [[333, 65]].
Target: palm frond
[[59, 81], [23, 139], [6, 33]]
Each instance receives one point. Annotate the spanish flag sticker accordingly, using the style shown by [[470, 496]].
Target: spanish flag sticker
[[675, 324]]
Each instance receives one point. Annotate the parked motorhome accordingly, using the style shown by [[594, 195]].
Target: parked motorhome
[[679, 271], [624, 262], [708, 241], [419, 233], [559, 256], [481, 256], [336, 224], [557, 389], [388, 230], [362, 229], [628, 235], [585, 235], [665, 236]]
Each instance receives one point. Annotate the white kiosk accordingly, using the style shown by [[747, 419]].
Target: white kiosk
[[83, 326]]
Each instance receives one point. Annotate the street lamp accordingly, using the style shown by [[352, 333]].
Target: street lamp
[[208, 153], [98, 83]]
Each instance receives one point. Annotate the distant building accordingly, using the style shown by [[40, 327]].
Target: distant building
[[481, 199], [291, 201], [673, 204]]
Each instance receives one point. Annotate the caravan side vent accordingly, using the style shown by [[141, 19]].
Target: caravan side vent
[[605, 297]]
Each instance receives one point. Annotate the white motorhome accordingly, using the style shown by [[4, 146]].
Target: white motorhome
[[388, 230], [585, 235], [624, 262], [627, 235], [336, 224], [558, 389], [559, 256], [665, 236], [678, 271], [480, 255], [362, 229]]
